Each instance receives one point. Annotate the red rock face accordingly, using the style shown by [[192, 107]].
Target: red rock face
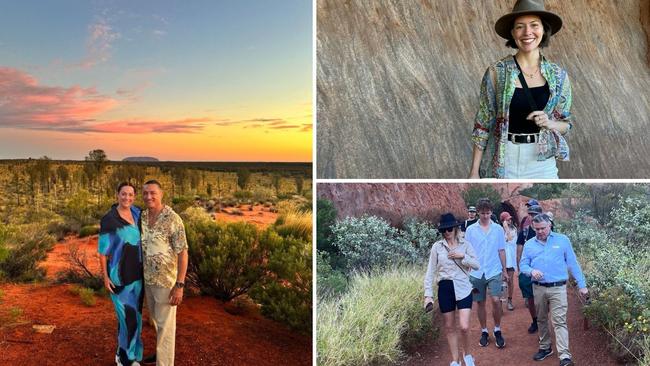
[[399, 201]]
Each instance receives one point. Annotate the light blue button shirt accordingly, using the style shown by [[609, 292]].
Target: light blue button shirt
[[555, 259], [487, 246]]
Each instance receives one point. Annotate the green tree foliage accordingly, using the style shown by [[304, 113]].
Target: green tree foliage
[[243, 178], [96, 163], [63, 175], [545, 191], [79, 209], [226, 259], [478, 191], [275, 181], [285, 291], [325, 218]]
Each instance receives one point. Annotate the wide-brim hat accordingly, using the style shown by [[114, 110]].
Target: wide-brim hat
[[448, 220], [527, 7]]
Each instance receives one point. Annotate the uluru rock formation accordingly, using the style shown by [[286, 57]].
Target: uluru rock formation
[[398, 85]]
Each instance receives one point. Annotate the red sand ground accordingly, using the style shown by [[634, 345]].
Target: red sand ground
[[259, 216], [588, 347], [206, 333]]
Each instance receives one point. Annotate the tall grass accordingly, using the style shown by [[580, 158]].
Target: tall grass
[[295, 223], [375, 320]]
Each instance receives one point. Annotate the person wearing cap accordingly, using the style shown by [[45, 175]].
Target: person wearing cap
[[519, 127], [548, 258], [489, 242], [471, 218], [525, 283], [525, 222], [450, 261], [511, 252]]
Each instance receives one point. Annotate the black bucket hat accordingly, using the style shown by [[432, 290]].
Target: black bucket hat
[[527, 7], [448, 220]]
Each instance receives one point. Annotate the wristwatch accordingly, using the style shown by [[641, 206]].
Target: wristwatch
[[179, 284]]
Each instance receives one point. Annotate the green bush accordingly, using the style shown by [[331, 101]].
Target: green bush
[[477, 191], [29, 246], [331, 282], [373, 323], [262, 194], [422, 235], [286, 292], [80, 209], [87, 296], [61, 228], [181, 203], [226, 259], [243, 195], [88, 230], [370, 242]]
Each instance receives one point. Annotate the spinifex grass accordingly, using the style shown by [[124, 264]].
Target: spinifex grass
[[371, 323]]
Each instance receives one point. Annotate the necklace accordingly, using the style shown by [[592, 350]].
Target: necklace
[[533, 74]]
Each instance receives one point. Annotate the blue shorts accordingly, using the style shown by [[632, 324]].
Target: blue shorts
[[447, 298]]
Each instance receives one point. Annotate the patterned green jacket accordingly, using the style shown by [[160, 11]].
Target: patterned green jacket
[[491, 124]]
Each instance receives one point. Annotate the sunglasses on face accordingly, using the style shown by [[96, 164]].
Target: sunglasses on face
[[445, 230]]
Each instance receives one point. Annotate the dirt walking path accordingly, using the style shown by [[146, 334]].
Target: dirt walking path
[[588, 347]]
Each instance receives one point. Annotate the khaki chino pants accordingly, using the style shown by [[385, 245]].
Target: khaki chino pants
[[164, 320], [553, 300]]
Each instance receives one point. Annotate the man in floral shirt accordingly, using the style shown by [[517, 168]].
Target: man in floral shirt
[[164, 249]]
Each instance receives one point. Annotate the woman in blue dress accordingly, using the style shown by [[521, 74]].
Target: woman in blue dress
[[121, 261]]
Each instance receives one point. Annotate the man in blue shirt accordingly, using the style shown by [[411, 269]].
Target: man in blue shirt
[[489, 242], [548, 258]]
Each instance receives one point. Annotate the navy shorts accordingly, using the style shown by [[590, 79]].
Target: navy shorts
[[447, 298]]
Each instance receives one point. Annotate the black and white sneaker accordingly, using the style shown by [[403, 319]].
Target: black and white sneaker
[[498, 339], [566, 362], [542, 354], [485, 339], [533, 327]]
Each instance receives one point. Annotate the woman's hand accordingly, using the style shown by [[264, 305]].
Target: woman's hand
[[541, 120], [108, 284], [455, 255], [428, 299]]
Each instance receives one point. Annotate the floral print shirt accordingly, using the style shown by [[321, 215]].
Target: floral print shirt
[[490, 132], [161, 244]]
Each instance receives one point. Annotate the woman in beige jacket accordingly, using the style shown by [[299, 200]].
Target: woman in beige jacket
[[450, 261]]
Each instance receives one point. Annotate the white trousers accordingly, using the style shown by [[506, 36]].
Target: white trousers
[[521, 163], [164, 322]]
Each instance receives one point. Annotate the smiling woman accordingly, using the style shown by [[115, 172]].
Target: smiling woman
[[525, 102]]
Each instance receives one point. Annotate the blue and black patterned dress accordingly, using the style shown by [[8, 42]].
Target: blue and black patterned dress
[[120, 242]]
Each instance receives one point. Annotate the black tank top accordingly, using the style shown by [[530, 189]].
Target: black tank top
[[520, 109]]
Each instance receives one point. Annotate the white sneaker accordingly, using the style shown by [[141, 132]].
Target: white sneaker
[[117, 361], [454, 363], [469, 360]]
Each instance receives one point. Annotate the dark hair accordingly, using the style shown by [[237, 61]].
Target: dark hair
[[542, 218], [153, 181], [484, 204], [545, 38], [125, 184]]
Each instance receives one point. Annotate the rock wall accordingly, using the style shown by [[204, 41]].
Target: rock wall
[[399, 201], [398, 84]]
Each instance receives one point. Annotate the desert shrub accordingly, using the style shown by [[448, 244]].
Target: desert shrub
[[241, 305], [295, 223], [285, 293], [88, 230], [29, 246], [285, 195], [14, 314], [80, 209], [226, 259], [87, 296], [181, 203], [61, 228], [370, 242], [331, 282], [78, 271], [237, 211], [545, 191], [372, 323], [243, 195], [262, 194]]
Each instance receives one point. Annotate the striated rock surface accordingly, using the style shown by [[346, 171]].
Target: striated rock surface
[[399, 201], [398, 85]]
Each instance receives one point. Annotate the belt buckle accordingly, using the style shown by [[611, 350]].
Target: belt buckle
[[514, 139]]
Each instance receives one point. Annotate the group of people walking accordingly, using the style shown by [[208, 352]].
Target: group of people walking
[[479, 265]]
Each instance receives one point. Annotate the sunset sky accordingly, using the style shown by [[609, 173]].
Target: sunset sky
[[213, 80]]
